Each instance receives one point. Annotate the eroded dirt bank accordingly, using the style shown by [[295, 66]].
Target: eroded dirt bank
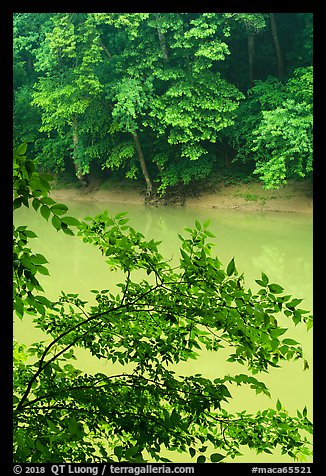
[[294, 197]]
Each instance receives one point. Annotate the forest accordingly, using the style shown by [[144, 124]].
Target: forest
[[168, 100], [165, 98]]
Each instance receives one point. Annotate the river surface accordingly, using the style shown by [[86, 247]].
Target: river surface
[[280, 244]]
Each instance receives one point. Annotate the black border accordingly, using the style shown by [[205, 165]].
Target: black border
[[6, 194]]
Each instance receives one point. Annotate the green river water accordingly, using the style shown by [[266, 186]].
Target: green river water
[[280, 244]]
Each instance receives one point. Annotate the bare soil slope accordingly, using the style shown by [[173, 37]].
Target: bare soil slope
[[294, 197]]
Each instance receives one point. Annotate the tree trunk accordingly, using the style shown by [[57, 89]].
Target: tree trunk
[[82, 177], [142, 164], [251, 55], [75, 139], [104, 48], [162, 42], [227, 159], [279, 56], [29, 64]]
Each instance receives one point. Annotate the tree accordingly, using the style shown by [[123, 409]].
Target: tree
[[253, 24], [154, 95], [156, 65], [265, 95], [69, 88], [165, 317], [279, 54], [29, 31], [193, 102], [286, 133], [274, 128], [130, 97]]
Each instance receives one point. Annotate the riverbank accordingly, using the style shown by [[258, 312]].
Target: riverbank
[[296, 196]]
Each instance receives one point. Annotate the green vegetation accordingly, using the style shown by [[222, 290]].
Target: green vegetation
[[279, 133], [165, 98], [167, 316], [251, 197]]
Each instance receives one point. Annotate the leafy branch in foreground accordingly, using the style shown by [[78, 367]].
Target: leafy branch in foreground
[[162, 315], [30, 187]]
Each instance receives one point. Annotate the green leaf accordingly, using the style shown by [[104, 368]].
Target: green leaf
[[292, 304], [38, 259], [117, 451], [45, 211], [70, 221], [47, 177], [52, 426], [175, 417], [305, 365], [120, 215], [67, 231], [208, 233], [30, 167], [40, 446], [69, 354], [30, 234], [44, 183], [275, 288], [290, 342], [309, 324], [37, 192], [47, 200], [198, 225], [207, 223], [260, 282], [201, 459], [192, 452], [15, 399], [130, 452], [267, 450], [42, 270], [278, 405], [36, 204], [17, 202], [30, 442], [123, 221], [21, 150], [202, 449], [25, 200], [56, 222], [19, 307], [216, 457], [185, 256], [231, 267], [59, 208], [44, 301], [73, 426]]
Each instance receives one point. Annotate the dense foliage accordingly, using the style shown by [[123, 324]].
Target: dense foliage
[[275, 129], [168, 99], [168, 315], [162, 97]]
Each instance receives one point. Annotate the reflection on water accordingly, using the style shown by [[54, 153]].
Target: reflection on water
[[271, 258], [280, 244]]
